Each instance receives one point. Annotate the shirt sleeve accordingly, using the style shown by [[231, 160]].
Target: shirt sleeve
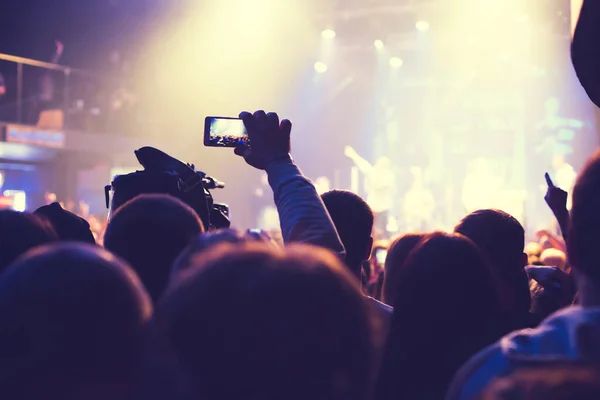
[[302, 214], [585, 52]]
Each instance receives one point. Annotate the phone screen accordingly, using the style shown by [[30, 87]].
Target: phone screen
[[381, 255], [224, 132]]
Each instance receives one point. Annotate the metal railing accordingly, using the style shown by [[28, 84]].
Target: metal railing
[[77, 99], [20, 62]]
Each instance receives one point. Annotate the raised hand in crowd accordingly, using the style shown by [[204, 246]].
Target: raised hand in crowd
[[269, 138], [557, 199], [302, 214]]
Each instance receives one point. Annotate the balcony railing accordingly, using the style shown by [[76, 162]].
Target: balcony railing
[[59, 97]]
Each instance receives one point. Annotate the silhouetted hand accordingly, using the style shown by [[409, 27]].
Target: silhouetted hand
[[269, 139], [556, 198]]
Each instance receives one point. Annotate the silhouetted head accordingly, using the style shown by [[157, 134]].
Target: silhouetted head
[[20, 232], [499, 235], [446, 310], [353, 219], [584, 235], [252, 322], [72, 321], [556, 382], [394, 263], [67, 225], [501, 238], [150, 232]]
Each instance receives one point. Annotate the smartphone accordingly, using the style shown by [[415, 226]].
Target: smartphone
[[381, 255], [224, 132]]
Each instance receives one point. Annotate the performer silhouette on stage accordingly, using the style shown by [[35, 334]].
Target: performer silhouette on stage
[[380, 183]]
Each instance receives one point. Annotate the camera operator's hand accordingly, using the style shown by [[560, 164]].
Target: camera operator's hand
[[269, 139]]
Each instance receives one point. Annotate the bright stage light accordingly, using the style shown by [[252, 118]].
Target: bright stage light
[[320, 67], [422, 26], [378, 44], [328, 34], [396, 62]]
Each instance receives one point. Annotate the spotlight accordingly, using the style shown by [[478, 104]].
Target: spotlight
[[396, 62], [320, 67], [378, 44], [328, 34], [422, 26]]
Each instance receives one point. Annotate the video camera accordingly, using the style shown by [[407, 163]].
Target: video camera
[[163, 174]]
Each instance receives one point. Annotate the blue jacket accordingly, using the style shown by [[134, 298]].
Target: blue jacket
[[570, 335]]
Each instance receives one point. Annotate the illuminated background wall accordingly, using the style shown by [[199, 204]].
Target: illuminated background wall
[[453, 87]]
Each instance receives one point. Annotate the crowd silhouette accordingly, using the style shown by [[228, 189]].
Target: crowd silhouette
[[177, 306]]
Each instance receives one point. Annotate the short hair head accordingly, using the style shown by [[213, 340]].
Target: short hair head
[[20, 232], [353, 219], [394, 263], [499, 235], [68, 226], [289, 325], [72, 318], [150, 232], [584, 234]]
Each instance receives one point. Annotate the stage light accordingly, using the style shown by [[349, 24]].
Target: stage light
[[378, 44], [422, 26], [396, 62], [320, 67], [328, 34]]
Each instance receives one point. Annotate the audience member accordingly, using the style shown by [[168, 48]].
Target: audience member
[[501, 238], [571, 335], [534, 252], [560, 382], [353, 220], [72, 321], [286, 325], [20, 232], [150, 232], [67, 225], [394, 264], [447, 308], [302, 214]]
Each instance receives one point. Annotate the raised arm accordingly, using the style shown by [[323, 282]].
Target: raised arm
[[363, 165], [303, 216], [556, 198], [585, 52]]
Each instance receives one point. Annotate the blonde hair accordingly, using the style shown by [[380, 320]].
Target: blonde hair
[[554, 258]]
